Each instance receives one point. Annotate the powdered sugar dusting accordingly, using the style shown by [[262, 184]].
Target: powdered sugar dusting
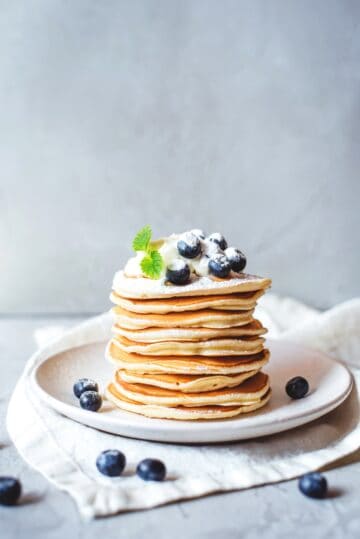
[[232, 252], [198, 232], [210, 248], [216, 236], [141, 287], [177, 264], [190, 238], [220, 258]]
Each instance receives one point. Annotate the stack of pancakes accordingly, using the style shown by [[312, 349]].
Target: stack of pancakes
[[188, 352]]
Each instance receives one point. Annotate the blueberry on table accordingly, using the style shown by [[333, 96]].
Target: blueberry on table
[[297, 387], [189, 245], [91, 400], [84, 384], [178, 272], [111, 462], [10, 490], [219, 266], [151, 470], [218, 238], [236, 258], [313, 485]]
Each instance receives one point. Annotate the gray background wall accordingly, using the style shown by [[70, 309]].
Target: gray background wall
[[238, 116]]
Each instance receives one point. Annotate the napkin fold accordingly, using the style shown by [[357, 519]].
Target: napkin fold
[[65, 451]]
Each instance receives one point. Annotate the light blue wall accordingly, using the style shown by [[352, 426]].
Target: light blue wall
[[238, 116]]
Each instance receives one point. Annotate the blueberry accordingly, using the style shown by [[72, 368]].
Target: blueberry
[[218, 238], [297, 387], [111, 462], [236, 258], [151, 470], [91, 400], [84, 384], [198, 232], [189, 245], [178, 272], [10, 490], [219, 266], [313, 485]]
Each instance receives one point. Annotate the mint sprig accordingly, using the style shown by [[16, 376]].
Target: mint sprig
[[152, 264], [142, 239]]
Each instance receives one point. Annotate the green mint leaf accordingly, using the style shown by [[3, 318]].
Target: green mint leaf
[[152, 264], [142, 239]]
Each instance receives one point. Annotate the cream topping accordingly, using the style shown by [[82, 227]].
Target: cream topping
[[169, 252]]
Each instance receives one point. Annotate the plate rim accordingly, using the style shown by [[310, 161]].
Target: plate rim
[[176, 427]]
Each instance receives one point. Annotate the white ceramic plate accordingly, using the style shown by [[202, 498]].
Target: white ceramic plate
[[330, 383]]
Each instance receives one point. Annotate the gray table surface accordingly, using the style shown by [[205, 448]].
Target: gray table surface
[[270, 511]]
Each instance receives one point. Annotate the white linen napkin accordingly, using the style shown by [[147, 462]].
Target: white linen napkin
[[65, 451]]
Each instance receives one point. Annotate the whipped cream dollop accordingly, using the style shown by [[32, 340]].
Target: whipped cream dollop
[[178, 249], [170, 254]]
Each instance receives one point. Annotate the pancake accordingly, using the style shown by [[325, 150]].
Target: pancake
[[158, 335], [248, 392], [214, 347], [142, 287], [206, 318], [182, 412], [229, 302], [185, 382], [138, 364]]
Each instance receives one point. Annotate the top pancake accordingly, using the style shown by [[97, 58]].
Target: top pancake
[[142, 287], [242, 301]]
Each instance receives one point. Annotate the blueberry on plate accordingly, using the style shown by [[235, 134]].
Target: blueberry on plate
[[10, 490], [236, 258], [111, 462], [84, 384], [189, 245], [151, 470], [178, 272], [91, 400], [297, 387], [218, 238], [219, 266], [198, 232], [313, 485]]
